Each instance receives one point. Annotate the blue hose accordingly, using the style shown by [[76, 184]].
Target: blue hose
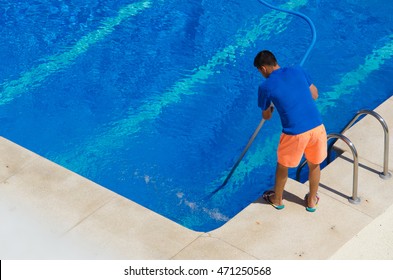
[[306, 18], [314, 38]]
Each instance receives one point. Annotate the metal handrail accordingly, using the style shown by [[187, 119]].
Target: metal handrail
[[354, 199], [385, 173]]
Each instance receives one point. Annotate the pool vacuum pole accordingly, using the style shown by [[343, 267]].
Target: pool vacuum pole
[[241, 156]]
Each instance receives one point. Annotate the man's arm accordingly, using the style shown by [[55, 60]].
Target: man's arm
[[314, 91]]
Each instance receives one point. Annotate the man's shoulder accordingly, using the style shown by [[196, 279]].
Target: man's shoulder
[[295, 68], [299, 71], [289, 70], [263, 90]]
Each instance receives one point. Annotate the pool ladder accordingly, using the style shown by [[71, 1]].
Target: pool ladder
[[384, 174]]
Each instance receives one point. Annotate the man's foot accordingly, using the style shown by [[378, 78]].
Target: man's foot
[[311, 203], [268, 196]]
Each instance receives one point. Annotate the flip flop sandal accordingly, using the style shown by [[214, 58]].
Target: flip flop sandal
[[311, 209], [266, 196]]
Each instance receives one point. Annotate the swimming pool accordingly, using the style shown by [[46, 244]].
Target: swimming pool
[[155, 100]]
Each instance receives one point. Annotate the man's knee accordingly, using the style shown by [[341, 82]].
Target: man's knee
[[281, 167], [312, 165]]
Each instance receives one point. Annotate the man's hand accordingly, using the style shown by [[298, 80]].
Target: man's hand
[[267, 114], [314, 91]]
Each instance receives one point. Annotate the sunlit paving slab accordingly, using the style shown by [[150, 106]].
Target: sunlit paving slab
[[26, 235], [53, 194], [12, 160], [210, 247], [374, 193], [123, 229], [374, 242], [292, 233]]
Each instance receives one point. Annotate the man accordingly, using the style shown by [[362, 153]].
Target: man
[[292, 92]]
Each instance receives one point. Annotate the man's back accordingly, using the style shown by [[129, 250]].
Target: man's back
[[288, 89]]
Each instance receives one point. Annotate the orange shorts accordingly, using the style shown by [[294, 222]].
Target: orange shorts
[[312, 143]]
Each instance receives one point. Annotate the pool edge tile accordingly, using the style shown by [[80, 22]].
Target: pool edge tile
[[124, 229], [13, 158]]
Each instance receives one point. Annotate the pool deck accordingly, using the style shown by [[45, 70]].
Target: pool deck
[[48, 212]]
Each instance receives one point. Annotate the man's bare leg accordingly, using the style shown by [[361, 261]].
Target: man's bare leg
[[281, 179], [314, 176]]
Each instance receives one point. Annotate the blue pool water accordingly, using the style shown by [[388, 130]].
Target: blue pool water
[[155, 100]]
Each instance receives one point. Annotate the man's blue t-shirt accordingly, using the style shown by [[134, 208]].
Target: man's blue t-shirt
[[289, 90]]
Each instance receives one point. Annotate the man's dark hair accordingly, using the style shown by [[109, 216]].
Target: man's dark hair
[[265, 58]]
